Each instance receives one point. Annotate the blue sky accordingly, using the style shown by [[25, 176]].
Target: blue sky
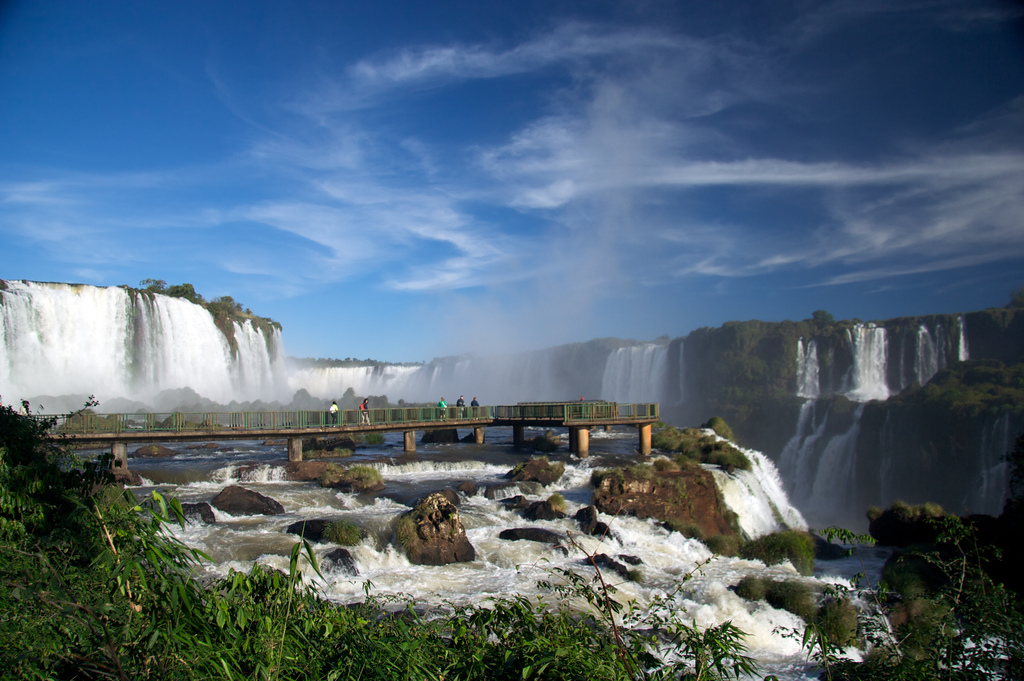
[[409, 180]]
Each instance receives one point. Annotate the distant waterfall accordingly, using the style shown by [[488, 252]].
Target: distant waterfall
[[991, 488], [495, 380], [635, 374], [866, 379], [807, 383], [59, 339]]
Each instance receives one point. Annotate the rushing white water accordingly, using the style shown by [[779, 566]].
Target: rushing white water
[[502, 568], [928, 359], [58, 339], [635, 374]]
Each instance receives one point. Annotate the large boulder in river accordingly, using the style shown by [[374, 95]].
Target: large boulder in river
[[536, 470], [339, 560], [240, 501], [199, 513], [688, 497], [432, 533], [589, 524], [440, 436]]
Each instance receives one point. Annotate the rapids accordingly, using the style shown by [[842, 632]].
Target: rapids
[[501, 568]]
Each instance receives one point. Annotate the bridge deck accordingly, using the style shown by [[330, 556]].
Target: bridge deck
[[179, 426]]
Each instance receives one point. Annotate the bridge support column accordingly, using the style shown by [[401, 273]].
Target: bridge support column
[[120, 452], [410, 440], [295, 449], [517, 436], [572, 439], [582, 441], [645, 439], [478, 436], [608, 428]]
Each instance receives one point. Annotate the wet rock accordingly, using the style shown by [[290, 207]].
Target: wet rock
[[339, 560], [441, 436], [605, 562], [468, 488], [208, 445], [158, 451], [542, 510], [199, 513], [632, 560], [537, 470], [432, 533], [589, 524], [240, 501], [532, 534], [686, 497], [518, 502], [310, 530]]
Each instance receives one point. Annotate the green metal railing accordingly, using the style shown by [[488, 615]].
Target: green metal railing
[[181, 422]]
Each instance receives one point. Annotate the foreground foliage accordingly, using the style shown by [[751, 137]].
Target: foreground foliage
[[93, 586]]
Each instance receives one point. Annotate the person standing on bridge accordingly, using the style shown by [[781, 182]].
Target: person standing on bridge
[[475, 404], [443, 406], [461, 404], [333, 411], [364, 411]]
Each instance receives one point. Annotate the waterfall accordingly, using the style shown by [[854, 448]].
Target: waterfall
[[991, 488], [807, 384], [866, 379], [635, 374], [926, 359], [60, 339], [832, 489], [961, 351], [757, 497]]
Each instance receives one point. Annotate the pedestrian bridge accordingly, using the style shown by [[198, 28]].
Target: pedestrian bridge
[[119, 430]]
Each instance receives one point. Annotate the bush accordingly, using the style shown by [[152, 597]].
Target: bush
[[343, 533], [557, 502], [724, 544], [796, 597], [721, 428], [695, 446], [662, 464], [689, 530], [793, 545], [838, 620]]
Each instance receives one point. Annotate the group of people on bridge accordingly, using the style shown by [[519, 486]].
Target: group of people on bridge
[[460, 405]]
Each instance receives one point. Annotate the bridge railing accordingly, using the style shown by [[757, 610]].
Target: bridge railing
[[178, 422]]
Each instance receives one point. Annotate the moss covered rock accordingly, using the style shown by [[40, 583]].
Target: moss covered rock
[[432, 533]]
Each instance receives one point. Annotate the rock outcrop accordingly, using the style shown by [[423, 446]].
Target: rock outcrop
[[240, 501], [200, 512], [432, 533], [680, 498], [339, 560], [536, 470], [589, 523]]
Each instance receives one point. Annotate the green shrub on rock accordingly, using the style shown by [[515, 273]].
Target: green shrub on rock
[[793, 545], [721, 428], [343, 533], [695, 446]]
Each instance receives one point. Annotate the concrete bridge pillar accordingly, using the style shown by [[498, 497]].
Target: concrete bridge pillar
[[410, 440], [478, 436], [295, 449], [517, 436], [120, 452], [582, 441], [608, 428], [645, 439]]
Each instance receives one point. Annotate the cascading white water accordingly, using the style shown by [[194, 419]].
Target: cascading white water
[[59, 339], [866, 379], [807, 384], [634, 374], [929, 358], [962, 353]]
